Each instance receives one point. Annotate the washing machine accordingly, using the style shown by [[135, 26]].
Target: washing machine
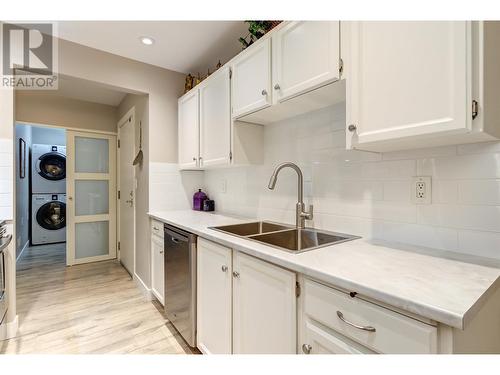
[[48, 169], [48, 218]]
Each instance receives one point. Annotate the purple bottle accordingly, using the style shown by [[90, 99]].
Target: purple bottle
[[198, 199]]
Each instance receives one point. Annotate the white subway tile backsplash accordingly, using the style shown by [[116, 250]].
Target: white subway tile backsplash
[[485, 244], [444, 191], [171, 189], [366, 193], [461, 167], [479, 192], [460, 216], [479, 148]]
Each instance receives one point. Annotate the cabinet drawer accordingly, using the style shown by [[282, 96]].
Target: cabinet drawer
[[393, 332], [157, 228]]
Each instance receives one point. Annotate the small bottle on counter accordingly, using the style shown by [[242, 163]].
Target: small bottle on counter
[[198, 198]]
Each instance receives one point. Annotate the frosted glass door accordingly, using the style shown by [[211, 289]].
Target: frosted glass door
[[91, 197]]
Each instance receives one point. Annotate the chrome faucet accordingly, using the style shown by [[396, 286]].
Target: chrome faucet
[[301, 215]]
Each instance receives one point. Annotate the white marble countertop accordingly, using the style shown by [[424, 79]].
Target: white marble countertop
[[444, 290]]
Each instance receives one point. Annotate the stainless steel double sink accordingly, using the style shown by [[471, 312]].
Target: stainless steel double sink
[[285, 237]]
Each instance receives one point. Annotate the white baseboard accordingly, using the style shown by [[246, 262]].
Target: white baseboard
[[9, 330], [22, 250], [143, 288]]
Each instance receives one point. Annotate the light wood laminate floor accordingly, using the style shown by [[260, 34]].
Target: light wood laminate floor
[[91, 308]]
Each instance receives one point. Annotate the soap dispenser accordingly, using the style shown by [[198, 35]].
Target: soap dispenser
[[198, 198]]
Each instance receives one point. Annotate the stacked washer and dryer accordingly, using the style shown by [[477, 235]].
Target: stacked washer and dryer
[[48, 194]]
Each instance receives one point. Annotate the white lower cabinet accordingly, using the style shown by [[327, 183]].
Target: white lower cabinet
[[245, 305], [264, 307], [214, 289], [333, 321], [157, 262]]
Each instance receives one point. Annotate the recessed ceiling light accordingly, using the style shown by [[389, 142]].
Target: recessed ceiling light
[[147, 40]]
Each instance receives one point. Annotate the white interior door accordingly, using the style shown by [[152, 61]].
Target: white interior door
[[126, 187], [91, 197]]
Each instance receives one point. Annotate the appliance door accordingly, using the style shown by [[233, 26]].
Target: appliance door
[[52, 166], [3, 302], [180, 282], [52, 215]]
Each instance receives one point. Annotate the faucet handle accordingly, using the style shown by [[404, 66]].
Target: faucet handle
[[310, 212]]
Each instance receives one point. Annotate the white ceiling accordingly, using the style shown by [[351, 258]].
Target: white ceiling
[[183, 46]]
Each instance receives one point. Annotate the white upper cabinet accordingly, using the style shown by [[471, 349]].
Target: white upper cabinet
[[251, 79], [407, 82], [264, 307], [188, 131], [305, 56], [215, 119], [214, 298]]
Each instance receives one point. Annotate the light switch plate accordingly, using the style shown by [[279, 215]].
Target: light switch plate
[[422, 190]]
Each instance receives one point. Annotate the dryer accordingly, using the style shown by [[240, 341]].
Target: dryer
[[48, 169], [48, 218]]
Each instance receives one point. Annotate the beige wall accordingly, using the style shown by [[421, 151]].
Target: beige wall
[[43, 108], [163, 87]]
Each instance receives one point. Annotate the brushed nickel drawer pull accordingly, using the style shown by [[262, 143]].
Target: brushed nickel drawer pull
[[364, 328]]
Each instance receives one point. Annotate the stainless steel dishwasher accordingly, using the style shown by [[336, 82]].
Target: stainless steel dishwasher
[[180, 281]]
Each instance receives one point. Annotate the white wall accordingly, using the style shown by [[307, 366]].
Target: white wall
[[22, 189], [368, 194]]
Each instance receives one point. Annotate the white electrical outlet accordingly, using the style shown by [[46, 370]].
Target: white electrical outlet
[[422, 190], [223, 186]]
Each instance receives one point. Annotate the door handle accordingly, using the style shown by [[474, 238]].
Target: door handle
[[130, 201]]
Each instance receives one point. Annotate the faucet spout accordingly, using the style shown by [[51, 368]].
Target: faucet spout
[[301, 214]]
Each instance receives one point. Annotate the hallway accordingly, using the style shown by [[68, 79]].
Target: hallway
[[86, 309]]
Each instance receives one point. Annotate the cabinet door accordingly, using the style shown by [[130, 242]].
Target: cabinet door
[[317, 340], [305, 56], [264, 307], [214, 294], [189, 131], [215, 119], [251, 80], [157, 269], [406, 81]]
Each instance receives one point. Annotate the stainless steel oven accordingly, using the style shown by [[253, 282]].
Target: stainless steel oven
[[180, 281], [4, 242]]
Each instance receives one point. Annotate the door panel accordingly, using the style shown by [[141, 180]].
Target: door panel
[[251, 80], [126, 186], [214, 298], [264, 307], [91, 197], [189, 131], [157, 269], [215, 119], [305, 56], [407, 79]]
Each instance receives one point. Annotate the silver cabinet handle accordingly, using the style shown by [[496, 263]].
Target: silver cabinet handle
[[306, 348], [156, 228], [236, 274], [161, 251], [224, 268], [264, 92], [175, 240], [364, 328], [277, 87], [194, 159], [352, 128]]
